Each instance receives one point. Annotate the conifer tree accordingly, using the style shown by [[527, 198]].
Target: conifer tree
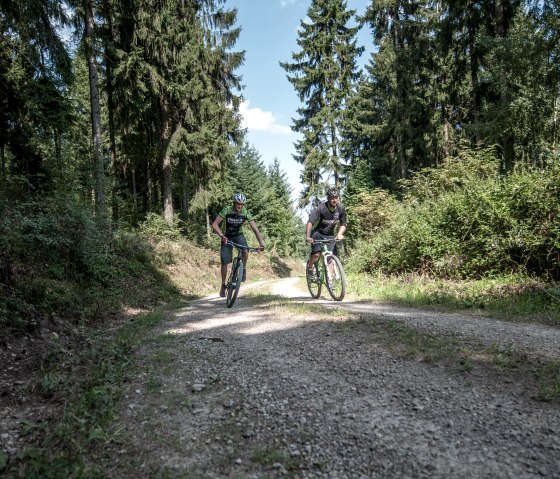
[[323, 73], [95, 106], [180, 78], [390, 117], [35, 69], [285, 227]]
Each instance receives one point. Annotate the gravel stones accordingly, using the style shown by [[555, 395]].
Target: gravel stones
[[289, 395]]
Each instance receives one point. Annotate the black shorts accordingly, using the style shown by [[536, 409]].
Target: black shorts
[[316, 247], [226, 251]]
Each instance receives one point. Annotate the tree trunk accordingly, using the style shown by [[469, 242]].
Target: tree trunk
[[184, 194], [166, 161], [507, 136], [134, 195], [208, 225], [445, 126], [401, 154], [109, 61], [99, 168], [3, 167], [555, 119], [475, 101]]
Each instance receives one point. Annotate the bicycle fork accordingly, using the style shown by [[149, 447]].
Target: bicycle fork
[[330, 272]]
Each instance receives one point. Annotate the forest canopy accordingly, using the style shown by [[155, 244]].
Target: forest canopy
[[128, 109]]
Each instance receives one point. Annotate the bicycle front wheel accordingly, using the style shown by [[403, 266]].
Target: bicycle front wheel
[[314, 282], [336, 279], [234, 282]]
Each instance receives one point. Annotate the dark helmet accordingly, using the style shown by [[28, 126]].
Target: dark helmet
[[332, 192], [239, 198]]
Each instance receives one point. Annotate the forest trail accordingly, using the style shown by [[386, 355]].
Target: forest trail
[[270, 388]]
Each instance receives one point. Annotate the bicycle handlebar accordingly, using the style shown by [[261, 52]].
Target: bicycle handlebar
[[326, 241], [243, 247]]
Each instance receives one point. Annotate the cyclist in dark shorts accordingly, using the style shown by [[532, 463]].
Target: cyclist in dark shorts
[[322, 223], [227, 226]]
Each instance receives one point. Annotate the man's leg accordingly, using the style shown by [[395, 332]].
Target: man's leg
[[225, 259], [315, 250], [223, 271], [245, 257], [312, 259]]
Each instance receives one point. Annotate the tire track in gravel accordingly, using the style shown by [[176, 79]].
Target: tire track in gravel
[[261, 391]]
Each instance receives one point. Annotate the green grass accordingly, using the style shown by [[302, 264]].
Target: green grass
[[549, 381], [511, 298], [73, 445], [260, 298], [542, 377]]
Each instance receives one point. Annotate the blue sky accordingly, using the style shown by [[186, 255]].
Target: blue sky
[[269, 35]]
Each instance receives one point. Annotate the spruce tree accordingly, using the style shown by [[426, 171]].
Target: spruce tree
[[390, 117], [323, 73], [285, 227], [178, 85], [35, 71]]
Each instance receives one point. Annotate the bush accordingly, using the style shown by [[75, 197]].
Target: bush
[[463, 220], [57, 259], [155, 226]]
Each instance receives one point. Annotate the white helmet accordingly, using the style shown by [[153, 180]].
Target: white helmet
[[239, 198]]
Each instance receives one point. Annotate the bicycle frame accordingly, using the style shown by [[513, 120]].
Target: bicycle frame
[[234, 280], [330, 272], [323, 261]]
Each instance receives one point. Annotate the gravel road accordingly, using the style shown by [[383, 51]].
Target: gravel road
[[265, 390]]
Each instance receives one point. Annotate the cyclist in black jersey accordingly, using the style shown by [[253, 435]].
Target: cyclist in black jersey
[[322, 223], [227, 226]]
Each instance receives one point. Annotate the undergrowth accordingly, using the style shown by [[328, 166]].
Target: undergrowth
[[513, 298], [72, 447]]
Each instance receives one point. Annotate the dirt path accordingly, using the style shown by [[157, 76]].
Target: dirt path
[[262, 390]]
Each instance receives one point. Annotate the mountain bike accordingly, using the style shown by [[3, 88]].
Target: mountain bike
[[328, 270], [234, 281]]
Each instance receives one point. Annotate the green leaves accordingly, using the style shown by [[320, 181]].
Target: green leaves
[[464, 220], [323, 74]]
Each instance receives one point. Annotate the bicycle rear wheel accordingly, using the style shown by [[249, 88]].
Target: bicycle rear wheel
[[336, 279], [314, 282], [234, 282]]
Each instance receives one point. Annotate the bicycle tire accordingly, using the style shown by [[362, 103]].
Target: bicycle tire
[[234, 282], [336, 285], [314, 283]]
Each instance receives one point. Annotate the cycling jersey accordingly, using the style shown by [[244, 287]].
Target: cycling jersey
[[324, 220], [232, 222]]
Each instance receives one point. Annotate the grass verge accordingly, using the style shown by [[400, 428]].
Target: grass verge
[[510, 298], [541, 377], [90, 382]]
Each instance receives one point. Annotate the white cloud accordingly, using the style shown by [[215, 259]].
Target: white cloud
[[257, 119], [286, 3]]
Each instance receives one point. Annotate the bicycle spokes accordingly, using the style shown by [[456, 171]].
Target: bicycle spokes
[[336, 279], [234, 282], [314, 281]]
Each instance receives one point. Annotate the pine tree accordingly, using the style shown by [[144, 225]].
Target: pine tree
[[323, 73], [391, 118], [178, 76], [35, 70], [285, 227]]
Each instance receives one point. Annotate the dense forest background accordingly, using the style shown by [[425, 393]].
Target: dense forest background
[[445, 146]]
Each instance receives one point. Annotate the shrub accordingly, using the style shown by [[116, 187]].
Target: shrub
[[155, 226], [463, 220]]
